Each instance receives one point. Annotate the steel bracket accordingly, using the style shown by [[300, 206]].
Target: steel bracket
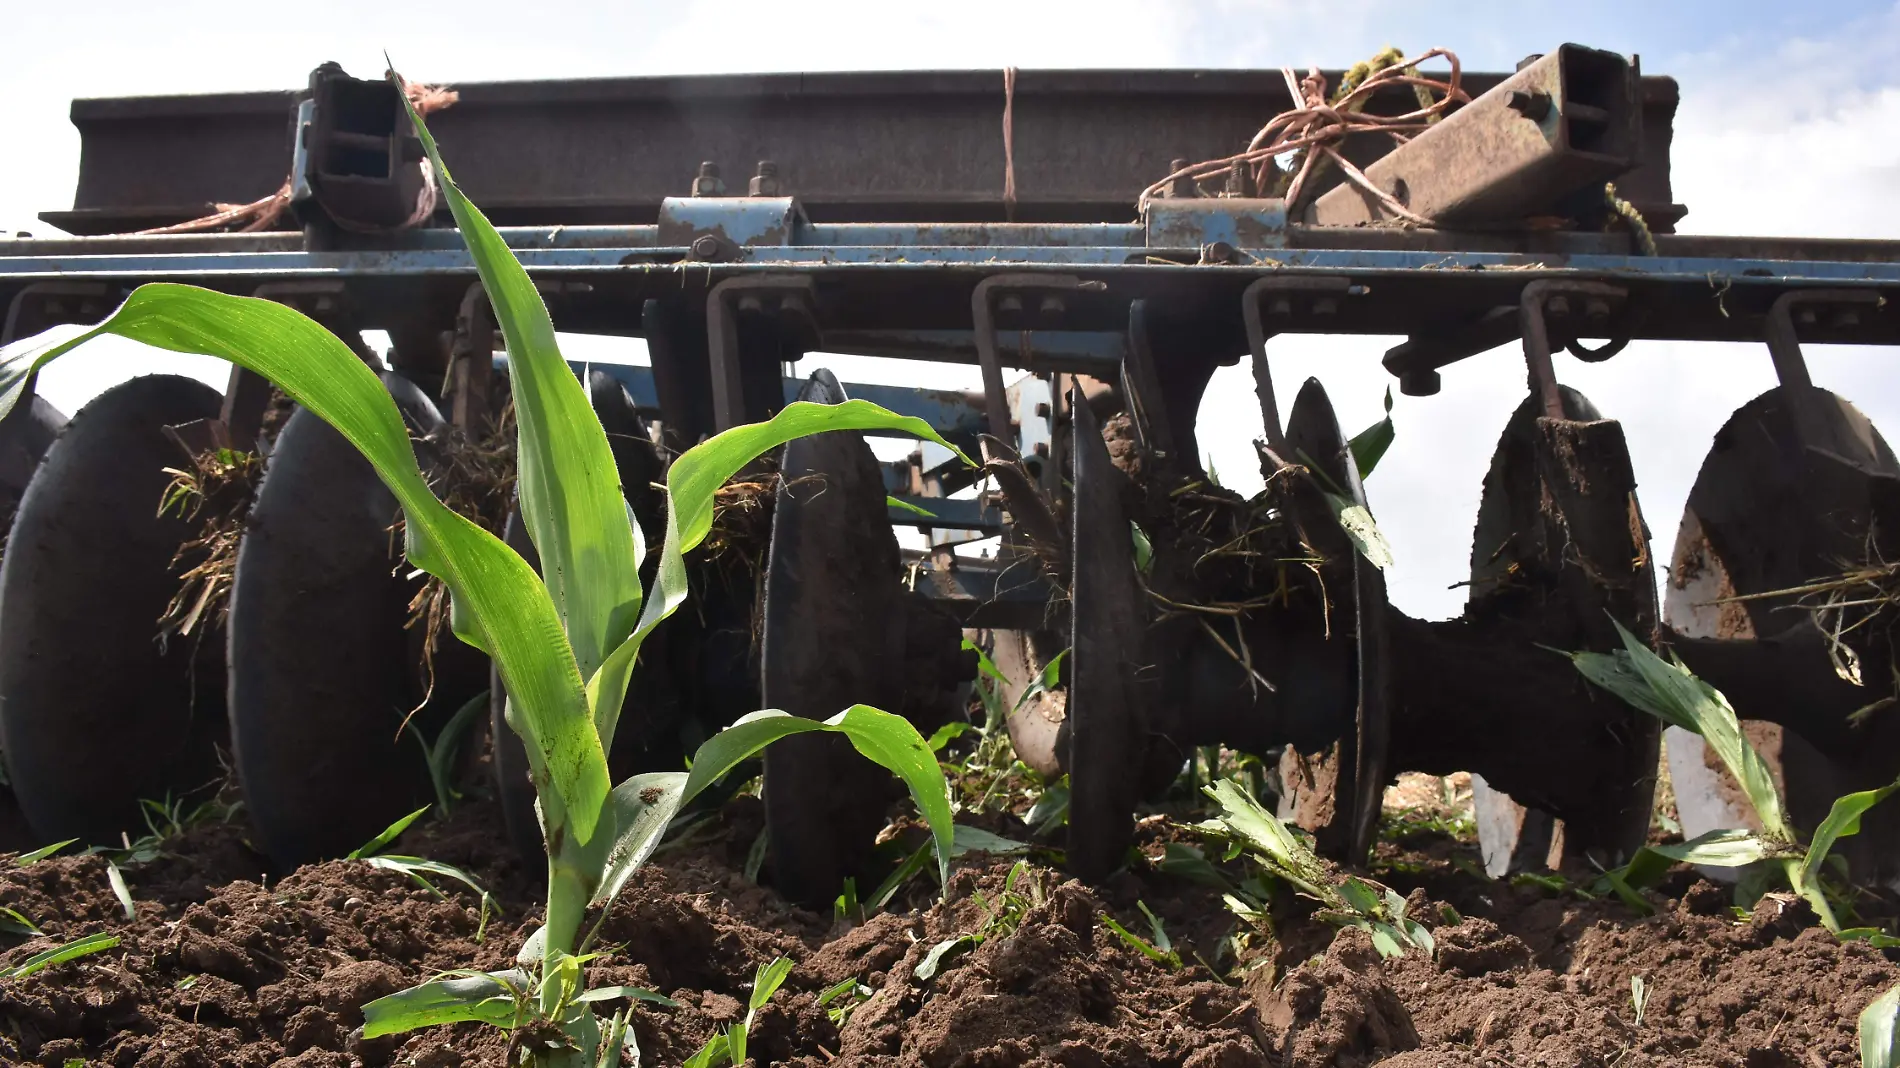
[[1218, 226], [46, 304], [720, 229], [1283, 298], [1550, 298], [1569, 120], [792, 296]]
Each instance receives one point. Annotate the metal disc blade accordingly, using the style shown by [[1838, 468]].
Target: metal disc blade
[[94, 713], [324, 671], [1559, 549], [1107, 725], [832, 636], [1791, 491], [1336, 792]]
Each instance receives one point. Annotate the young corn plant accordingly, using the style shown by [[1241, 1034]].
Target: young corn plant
[[1667, 690], [1345, 902], [565, 640]]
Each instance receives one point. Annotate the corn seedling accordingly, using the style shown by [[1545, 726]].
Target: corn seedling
[[839, 1001], [119, 890], [1667, 690], [443, 753], [1344, 902], [419, 869], [1879, 1028], [964, 840], [1022, 891], [41, 853], [14, 922], [565, 640], [729, 1046], [60, 954], [1639, 998], [1160, 950]]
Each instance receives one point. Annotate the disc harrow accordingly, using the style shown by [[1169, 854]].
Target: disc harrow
[[1194, 616]]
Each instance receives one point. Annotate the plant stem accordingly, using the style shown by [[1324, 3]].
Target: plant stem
[[569, 889]]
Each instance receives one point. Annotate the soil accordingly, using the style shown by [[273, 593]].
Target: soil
[[226, 966]]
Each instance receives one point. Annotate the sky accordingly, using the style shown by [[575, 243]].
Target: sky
[[1787, 127]]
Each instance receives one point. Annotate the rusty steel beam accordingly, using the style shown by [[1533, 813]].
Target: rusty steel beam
[[859, 147], [1568, 120]]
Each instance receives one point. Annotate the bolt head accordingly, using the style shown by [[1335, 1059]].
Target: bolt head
[[705, 247], [1419, 383], [1051, 305], [1326, 306], [1558, 307], [1596, 308]]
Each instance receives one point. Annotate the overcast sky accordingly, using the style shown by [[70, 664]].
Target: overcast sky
[[1789, 122]]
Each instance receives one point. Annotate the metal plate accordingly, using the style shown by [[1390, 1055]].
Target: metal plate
[[323, 670], [831, 637], [1336, 792], [1558, 543], [1789, 492], [94, 713], [1108, 719]]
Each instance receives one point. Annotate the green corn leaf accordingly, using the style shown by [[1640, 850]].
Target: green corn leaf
[[1670, 693], [416, 868], [766, 982], [41, 853], [984, 665], [388, 835], [966, 840], [906, 506], [630, 993], [1361, 898], [1290, 857], [833, 993], [1879, 1038], [14, 922], [495, 998], [946, 734], [60, 954], [645, 804], [1047, 681], [1716, 849], [1385, 938], [716, 1051], [1358, 525], [500, 604], [447, 747], [932, 963], [1188, 862], [1139, 944], [570, 488], [1370, 444], [1842, 820], [1143, 548], [121, 891]]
